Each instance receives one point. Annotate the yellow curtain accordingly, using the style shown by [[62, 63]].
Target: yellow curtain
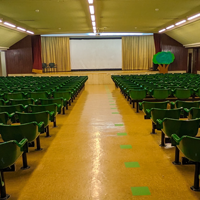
[[56, 50], [137, 52]]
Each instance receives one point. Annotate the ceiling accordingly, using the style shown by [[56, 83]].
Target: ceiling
[[72, 16]]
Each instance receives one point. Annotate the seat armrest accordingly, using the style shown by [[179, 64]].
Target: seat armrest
[[172, 105], [175, 140]]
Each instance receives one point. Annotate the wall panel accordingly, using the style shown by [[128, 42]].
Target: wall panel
[[19, 57]]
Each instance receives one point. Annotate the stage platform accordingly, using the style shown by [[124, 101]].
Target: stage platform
[[95, 77]]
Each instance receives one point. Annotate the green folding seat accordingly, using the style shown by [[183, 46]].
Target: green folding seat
[[12, 109], [58, 101], [185, 105], [189, 146], [65, 95], [37, 117], [137, 95], [148, 105], [14, 95], [180, 128], [21, 101], [160, 93], [181, 93], [157, 113], [10, 151], [193, 112], [2, 102], [30, 131], [6, 118], [52, 108], [38, 95]]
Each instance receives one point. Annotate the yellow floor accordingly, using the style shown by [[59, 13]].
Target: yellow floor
[[82, 159]]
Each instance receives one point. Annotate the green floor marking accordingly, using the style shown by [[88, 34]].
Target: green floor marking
[[112, 104], [111, 101], [121, 134], [126, 146], [119, 124], [137, 191], [131, 164], [113, 108], [115, 113]]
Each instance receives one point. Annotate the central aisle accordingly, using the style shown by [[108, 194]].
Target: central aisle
[[102, 150]]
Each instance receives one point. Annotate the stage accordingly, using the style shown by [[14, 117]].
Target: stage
[[95, 77]]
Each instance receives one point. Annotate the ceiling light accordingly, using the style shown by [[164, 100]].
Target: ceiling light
[[121, 34], [0, 20], [91, 10], [197, 15], [170, 27], [8, 24], [21, 29], [94, 28], [93, 24], [37, 10], [181, 22], [157, 9], [30, 32], [162, 30], [93, 18], [90, 1]]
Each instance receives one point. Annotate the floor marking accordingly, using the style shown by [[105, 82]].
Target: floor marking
[[126, 146], [121, 134], [137, 191], [119, 124], [113, 108], [115, 112], [131, 164]]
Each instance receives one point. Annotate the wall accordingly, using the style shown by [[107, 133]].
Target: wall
[[19, 57], [179, 51]]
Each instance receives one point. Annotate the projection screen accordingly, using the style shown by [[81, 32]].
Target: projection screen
[[96, 54]]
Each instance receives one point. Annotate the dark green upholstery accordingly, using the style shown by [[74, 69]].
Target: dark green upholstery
[[137, 94], [189, 146], [6, 118], [193, 113], [62, 94], [181, 93], [148, 105], [37, 117], [10, 151], [160, 93], [15, 95]]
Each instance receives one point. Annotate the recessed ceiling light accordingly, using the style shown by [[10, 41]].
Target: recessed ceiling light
[[21, 29], [157, 9], [30, 32], [93, 18], [170, 27], [59, 28], [181, 22], [195, 16], [0, 20], [91, 10], [8, 24], [136, 27], [90, 1], [162, 30], [37, 10]]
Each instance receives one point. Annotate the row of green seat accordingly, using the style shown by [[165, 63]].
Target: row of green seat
[[34, 120]]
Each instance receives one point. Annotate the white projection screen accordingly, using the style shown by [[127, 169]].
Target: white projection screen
[[96, 54]]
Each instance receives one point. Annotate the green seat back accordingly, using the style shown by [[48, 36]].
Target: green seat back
[[37, 117], [4, 117], [190, 148], [9, 153], [157, 113], [149, 105], [17, 95], [51, 101], [181, 93], [40, 108], [12, 108], [18, 132], [64, 95], [187, 104], [160, 93], [37, 95], [137, 94], [180, 127], [194, 113], [21, 101]]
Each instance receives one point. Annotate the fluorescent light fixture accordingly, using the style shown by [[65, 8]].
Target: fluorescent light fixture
[[21, 29], [90, 1], [195, 16], [30, 32], [93, 18], [94, 28], [93, 24], [181, 22], [121, 34], [162, 30], [91, 10], [0, 20], [170, 27], [8, 24]]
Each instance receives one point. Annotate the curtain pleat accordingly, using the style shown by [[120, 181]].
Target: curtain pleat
[[56, 50], [137, 52]]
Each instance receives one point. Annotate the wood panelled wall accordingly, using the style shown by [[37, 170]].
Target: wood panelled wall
[[179, 51], [19, 57]]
